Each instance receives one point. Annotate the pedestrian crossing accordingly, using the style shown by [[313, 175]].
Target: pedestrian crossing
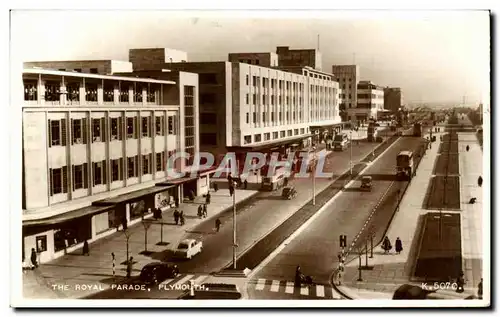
[[287, 287], [184, 279]]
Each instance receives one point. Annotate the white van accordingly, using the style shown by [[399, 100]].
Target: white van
[[340, 142]]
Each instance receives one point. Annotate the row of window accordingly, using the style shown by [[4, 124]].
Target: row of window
[[281, 83], [273, 117], [267, 136], [53, 91], [350, 96], [57, 129], [370, 96], [119, 168]]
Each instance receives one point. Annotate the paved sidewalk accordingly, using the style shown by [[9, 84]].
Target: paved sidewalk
[[390, 271], [94, 272]]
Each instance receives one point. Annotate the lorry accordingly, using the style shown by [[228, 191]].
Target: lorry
[[404, 165]]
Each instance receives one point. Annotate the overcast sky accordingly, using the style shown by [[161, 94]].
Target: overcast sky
[[432, 56]]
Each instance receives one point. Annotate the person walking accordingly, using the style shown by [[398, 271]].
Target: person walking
[[245, 184], [181, 218], [129, 267], [480, 289], [479, 181], [285, 182], [208, 198], [467, 148], [200, 211], [176, 216], [231, 190], [33, 258], [460, 283], [86, 248], [399, 245], [217, 224], [386, 245], [205, 213], [216, 186]]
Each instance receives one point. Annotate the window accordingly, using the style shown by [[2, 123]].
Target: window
[[124, 94], [208, 138], [99, 171], [272, 100], [171, 125], [247, 117], [264, 98], [264, 116], [247, 139], [282, 134], [207, 118], [273, 83], [58, 178], [131, 129], [73, 92], [91, 92], [41, 244], [146, 127], [254, 117], [116, 128], [289, 133], [254, 81], [280, 116], [247, 99], [209, 78], [257, 137], [275, 135], [302, 131], [272, 116], [151, 93], [57, 132], [146, 164], [246, 79], [254, 98], [138, 90], [132, 166], [160, 161], [117, 170], [52, 90], [78, 70], [30, 90], [160, 130], [80, 179], [79, 131], [267, 136], [93, 70], [98, 130], [296, 131], [108, 92]]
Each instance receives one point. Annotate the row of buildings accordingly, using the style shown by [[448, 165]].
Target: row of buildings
[[97, 134]]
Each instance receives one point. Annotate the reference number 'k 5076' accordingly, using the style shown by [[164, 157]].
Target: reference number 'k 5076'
[[439, 286]]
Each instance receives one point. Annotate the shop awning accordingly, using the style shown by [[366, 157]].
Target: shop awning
[[177, 181], [133, 196], [67, 216]]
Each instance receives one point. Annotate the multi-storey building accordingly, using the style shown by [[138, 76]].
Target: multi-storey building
[[103, 67], [299, 57], [268, 59], [348, 78], [370, 102], [393, 99], [248, 107], [95, 153]]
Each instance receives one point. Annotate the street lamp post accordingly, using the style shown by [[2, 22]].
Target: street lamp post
[[234, 225], [350, 154], [314, 177]]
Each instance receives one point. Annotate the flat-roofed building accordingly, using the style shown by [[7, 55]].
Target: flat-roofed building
[[348, 77], [95, 153], [370, 102]]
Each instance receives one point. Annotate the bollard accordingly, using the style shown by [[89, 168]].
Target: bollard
[[191, 288]]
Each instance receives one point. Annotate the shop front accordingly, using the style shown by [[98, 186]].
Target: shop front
[[55, 236]]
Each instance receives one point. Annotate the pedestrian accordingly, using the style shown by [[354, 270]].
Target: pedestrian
[[217, 224], [86, 248], [231, 190], [467, 148], [205, 213], [386, 245], [479, 181], [399, 245], [208, 198], [216, 187], [200, 211], [229, 178], [460, 283], [176, 202], [159, 213], [181, 218], [124, 223], [245, 184], [33, 258], [176, 216], [480, 289], [285, 182], [129, 267]]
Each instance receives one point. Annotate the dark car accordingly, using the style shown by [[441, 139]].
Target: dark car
[[157, 272]]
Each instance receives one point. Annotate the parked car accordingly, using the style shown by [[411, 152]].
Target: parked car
[[366, 183], [157, 272], [188, 248]]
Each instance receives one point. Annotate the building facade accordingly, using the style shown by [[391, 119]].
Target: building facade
[[268, 59], [348, 77], [370, 102], [393, 99], [103, 67], [299, 57], [95, 153]]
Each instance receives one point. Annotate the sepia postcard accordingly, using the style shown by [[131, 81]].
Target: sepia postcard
[[250, 158]]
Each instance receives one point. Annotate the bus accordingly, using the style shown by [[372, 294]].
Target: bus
[[404, 165], [276, 181]]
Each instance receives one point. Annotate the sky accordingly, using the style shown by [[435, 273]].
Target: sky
[[435, 57]]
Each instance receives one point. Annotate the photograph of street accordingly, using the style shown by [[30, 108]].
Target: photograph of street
[[252, 156]]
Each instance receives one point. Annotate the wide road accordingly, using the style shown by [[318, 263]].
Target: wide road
[[316, 248], [255, 219]]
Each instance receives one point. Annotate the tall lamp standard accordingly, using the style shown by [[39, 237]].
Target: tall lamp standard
[[234, 225], [350, 154], [314, 175]]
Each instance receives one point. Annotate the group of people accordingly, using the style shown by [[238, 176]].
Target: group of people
[[179, 217], [387, 245]]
